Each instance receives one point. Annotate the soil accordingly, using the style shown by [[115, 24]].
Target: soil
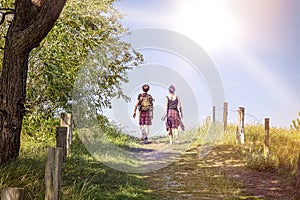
[[222, 174]]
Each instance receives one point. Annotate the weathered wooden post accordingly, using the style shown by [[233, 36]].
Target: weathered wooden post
[[61, 140], [240, 134], [207, 121], [53, 173], [12, 193], [267, 136], [214, 115], [66, 121], [225, 115], [298, 173]]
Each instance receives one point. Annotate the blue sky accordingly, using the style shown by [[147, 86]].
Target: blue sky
[[254, 45]]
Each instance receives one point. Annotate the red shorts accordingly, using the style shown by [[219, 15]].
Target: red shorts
[[145, 118]]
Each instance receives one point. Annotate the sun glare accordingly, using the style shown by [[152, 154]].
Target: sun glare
[[209, 23]]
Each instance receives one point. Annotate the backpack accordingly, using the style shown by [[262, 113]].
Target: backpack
[[146, 102]]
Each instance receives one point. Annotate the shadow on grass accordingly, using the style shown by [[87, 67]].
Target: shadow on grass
[[28, 172], [83, 177]]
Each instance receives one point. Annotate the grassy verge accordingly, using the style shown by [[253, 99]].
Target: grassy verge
[[284, 150], [83, 176], [86, 178]]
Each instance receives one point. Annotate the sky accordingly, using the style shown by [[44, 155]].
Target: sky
[[254, 45]]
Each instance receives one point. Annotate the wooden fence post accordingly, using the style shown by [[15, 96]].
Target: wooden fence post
[[298, 173], [12, 193], [240, 134], [225, 115], [267, 136], [53, 173], [66, 121], [61, 140], [207, 121], [214, 115]]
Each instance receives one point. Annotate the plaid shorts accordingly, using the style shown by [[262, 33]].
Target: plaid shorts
[[173, 120], [145, 118]]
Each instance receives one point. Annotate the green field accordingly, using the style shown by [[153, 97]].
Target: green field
[[189, 177]]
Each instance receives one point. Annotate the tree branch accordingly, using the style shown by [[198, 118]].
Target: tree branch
[[7, 9], [39, 16], [3, 15]]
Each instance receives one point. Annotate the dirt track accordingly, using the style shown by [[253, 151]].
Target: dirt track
[[222, 174]]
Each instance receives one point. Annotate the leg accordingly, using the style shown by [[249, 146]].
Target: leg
[[176, 134], [142, 127], [146, 130], [170, 133]]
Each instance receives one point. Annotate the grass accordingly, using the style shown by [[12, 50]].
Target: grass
[[83, 176], [284, 150], [86, 178]]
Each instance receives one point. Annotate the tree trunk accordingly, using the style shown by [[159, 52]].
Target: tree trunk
[[13, 86], [32, 21]]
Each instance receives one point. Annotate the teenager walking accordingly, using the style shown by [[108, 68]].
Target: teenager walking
[[173, 111], [145, 105]]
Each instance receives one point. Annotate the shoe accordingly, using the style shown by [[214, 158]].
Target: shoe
[[146, 141], [143, 135]]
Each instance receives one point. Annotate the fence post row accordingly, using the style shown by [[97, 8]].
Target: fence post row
[[225, 115], [61, 140], [214, 115], [53, 173], [267, 136], [240, 135], [12, 193], [66, 121]]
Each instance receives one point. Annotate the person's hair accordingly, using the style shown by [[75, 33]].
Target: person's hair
[[172, 89], [146, 88]]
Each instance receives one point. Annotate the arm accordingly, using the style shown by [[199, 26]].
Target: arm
[[136, 106], [166, 106], [165, 110], [180, 107]]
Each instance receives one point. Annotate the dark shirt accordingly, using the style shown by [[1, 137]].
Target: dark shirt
[[172, 104]]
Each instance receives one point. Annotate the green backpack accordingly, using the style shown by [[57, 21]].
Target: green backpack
[[146, 102]]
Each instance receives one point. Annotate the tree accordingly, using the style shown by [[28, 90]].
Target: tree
[[31, 22], [83, 28]]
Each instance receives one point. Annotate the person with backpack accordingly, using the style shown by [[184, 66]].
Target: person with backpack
[[173, 113], [145, 105]]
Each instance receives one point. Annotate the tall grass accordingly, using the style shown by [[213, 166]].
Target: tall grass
[[86, 178], [83, 176], [284, 148]]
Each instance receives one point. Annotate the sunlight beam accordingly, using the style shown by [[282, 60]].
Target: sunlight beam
[[210, 23]]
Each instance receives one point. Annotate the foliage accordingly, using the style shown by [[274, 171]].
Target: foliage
[[86, 178], [40, 128], [257, 160], [284, 149], [87, 31], [86, 34], [85, 28], [4, 26], [114, 133], [83, 176]]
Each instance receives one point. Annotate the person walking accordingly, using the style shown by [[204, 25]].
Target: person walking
[[173, 113], [145, 105]]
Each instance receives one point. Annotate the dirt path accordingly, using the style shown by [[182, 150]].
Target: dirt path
[[221, 175]]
